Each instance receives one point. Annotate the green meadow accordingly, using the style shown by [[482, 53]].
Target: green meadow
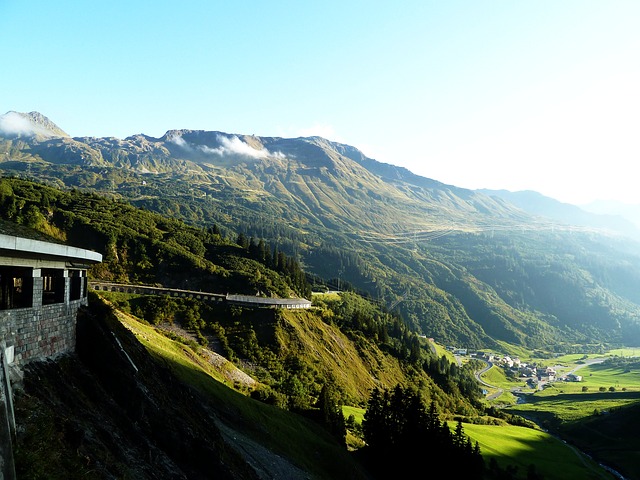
[[605, 388], [522, 447], [358, 413], [593, 413]]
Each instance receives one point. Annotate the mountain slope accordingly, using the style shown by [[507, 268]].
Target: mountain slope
[[465, 267], [32, 124], [104, 413]]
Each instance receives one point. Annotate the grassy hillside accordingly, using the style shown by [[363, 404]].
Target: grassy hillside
[[289, 435]]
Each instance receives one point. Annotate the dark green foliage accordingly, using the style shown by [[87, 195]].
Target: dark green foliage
[[330, 406], [397, 425], [356, 315], [143, 247], [452, 378]]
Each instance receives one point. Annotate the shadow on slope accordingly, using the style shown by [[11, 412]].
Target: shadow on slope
[[113, 410]]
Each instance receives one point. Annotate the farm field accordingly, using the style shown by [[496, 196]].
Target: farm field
[[602, 389]]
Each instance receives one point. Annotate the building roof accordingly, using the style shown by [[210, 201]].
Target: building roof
[[19, 246], [248, 299]]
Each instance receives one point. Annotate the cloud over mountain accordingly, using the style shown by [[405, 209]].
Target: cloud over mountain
[[28, 125], [227, 146]]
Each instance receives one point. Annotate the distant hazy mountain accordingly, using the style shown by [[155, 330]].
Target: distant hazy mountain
[[609, 207], [600, 216]]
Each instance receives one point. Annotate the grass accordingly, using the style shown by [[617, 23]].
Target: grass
[[600, 422], [292, 437], [442, 350], [522, 447], [357, 412], [561, 408], [625, 352], [606, 376]]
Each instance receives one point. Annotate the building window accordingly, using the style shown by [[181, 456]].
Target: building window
[[53, 283], [77, 285], [16, 287]]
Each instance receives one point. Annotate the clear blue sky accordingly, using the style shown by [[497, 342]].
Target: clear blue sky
[[517, 95]]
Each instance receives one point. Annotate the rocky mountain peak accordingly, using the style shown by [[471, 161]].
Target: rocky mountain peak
[[32, 124]]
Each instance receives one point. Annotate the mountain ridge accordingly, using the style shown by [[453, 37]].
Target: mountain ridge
[[297, 158], [538, 204], [429, 249], [254, 147]]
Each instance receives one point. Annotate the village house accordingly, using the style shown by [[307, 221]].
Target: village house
[[571, 377]]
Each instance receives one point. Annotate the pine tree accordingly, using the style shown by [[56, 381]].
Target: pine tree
[[242, 240], [331, 411]]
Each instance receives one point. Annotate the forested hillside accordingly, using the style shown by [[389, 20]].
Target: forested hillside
[[350, 349], [308, 363], [465, 268]]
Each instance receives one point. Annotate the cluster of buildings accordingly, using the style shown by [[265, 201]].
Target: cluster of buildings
[[532, 371], [535, 374]]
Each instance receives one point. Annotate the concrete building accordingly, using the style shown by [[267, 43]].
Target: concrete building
[[267, 302], [42, 286]]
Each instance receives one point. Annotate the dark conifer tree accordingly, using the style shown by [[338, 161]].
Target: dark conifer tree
[[262, 251], [397, 425], [242, 240], [330, 407]]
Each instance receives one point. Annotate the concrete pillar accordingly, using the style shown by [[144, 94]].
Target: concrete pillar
[[67, 286], [38, 287]]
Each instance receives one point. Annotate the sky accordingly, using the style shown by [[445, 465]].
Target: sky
[[514, 95]]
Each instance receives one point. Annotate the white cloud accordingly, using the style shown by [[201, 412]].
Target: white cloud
[[13, 123], [229, 146], [234, 146], [179, 141]]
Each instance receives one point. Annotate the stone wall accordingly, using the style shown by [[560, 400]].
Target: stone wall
[[41, 331]]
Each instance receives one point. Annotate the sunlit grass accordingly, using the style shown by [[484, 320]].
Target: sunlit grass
[[603, 388], [625, 352], [521, 447], [442, 350], [605, 376], [290, 435], [562, 408], [515, 351], [358, 413]]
